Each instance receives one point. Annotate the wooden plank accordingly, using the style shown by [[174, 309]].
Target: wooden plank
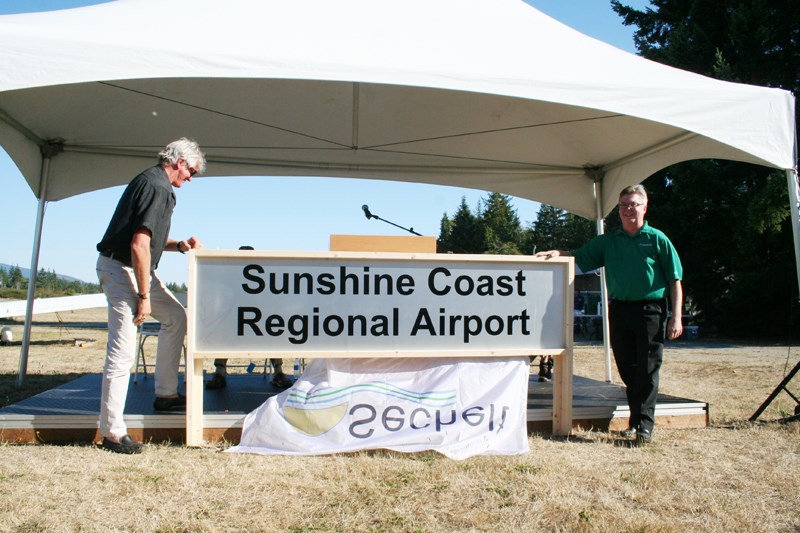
[[562, 368], [382, 243]]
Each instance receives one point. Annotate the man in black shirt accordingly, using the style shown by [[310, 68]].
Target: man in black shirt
[[129, 254]]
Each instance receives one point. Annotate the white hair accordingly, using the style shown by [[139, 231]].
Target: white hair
[[185, 149]]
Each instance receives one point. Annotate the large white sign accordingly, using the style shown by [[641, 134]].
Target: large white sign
[[339, 304], [358, 305]]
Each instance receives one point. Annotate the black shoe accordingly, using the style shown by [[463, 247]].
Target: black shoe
[[125, 445], [217, 382], [629, 433], [644, 436], [170, 404], [280, 381], [545, 370]]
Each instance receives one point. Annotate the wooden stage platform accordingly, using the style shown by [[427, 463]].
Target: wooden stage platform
[[69, 413]]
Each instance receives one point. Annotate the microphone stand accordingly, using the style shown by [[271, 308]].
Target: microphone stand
[[370, 215]]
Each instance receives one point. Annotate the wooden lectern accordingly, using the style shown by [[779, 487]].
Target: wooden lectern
[[383, 243]]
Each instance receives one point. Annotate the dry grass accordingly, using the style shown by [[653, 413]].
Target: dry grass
[[732, 476]]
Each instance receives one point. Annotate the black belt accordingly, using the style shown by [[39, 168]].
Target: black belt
[[637, 302], [110, 255]]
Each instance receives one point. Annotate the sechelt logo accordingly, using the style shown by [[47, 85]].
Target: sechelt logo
[[317, 411]]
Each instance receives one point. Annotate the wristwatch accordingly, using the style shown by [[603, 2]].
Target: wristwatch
[[180, 249], [144, 295]]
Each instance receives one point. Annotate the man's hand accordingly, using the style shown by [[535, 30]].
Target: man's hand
[[142, 311], [193, 243], [674, 328], [549, 254]]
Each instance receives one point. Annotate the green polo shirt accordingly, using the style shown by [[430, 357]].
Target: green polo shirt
[[638, 267]]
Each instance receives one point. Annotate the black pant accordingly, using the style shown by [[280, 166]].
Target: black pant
[[637, 339]]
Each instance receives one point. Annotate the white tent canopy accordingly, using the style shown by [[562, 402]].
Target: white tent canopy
[[486, 94], [489, 94]]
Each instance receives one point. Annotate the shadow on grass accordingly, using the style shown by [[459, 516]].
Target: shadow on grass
[[32, 385], [595, 437], [53, 342]]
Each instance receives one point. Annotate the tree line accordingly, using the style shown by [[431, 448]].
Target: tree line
[[493, 227], [14, 284]]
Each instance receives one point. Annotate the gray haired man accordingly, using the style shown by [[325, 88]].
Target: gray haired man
[[129, 254]]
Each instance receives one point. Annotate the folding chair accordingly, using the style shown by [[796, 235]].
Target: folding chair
[[147, 330]]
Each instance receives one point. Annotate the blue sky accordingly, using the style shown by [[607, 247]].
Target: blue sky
[[300, 213]]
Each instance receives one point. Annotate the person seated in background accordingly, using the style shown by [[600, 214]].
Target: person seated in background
[[545, 368], [220, 381]]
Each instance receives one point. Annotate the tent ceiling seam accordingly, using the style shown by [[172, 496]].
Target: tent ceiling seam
[[356, 113], [146, 152], [498, 130], [342, 166], [393, 168], [683, 137], [222, 114], [16, 125], [458, 157], [355, 125]]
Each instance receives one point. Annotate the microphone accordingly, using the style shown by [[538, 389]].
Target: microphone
[[369, 216]]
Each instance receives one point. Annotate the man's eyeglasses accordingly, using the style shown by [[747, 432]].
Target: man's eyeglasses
[[192, 171], [633, 205]]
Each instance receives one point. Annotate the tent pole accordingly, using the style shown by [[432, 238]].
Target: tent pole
[[48, 151], [598, 195], [794, 201]]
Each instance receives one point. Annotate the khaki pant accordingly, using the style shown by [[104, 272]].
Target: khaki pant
[[119, 286]]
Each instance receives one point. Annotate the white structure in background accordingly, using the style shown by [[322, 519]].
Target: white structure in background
[[9, 308]]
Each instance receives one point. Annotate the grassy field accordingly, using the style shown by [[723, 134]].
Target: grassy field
[[731, 476]]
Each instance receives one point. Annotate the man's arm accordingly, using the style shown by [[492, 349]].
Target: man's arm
[[140, 260], [675, 322]]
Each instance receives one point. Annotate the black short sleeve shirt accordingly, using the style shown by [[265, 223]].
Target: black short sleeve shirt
[[147, 202]]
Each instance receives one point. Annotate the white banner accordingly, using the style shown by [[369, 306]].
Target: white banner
[[458, 407]]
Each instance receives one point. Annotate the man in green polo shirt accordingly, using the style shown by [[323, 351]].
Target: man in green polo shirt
[[642, 267]]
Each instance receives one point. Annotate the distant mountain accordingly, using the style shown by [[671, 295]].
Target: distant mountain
[[26, 273]]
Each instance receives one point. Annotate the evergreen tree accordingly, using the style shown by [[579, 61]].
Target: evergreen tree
[[46, 282], [547, 229], [577, 230], [174, 287], [730, 221], [501, 226], [16, 280], [445, 232], [466, 232]]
